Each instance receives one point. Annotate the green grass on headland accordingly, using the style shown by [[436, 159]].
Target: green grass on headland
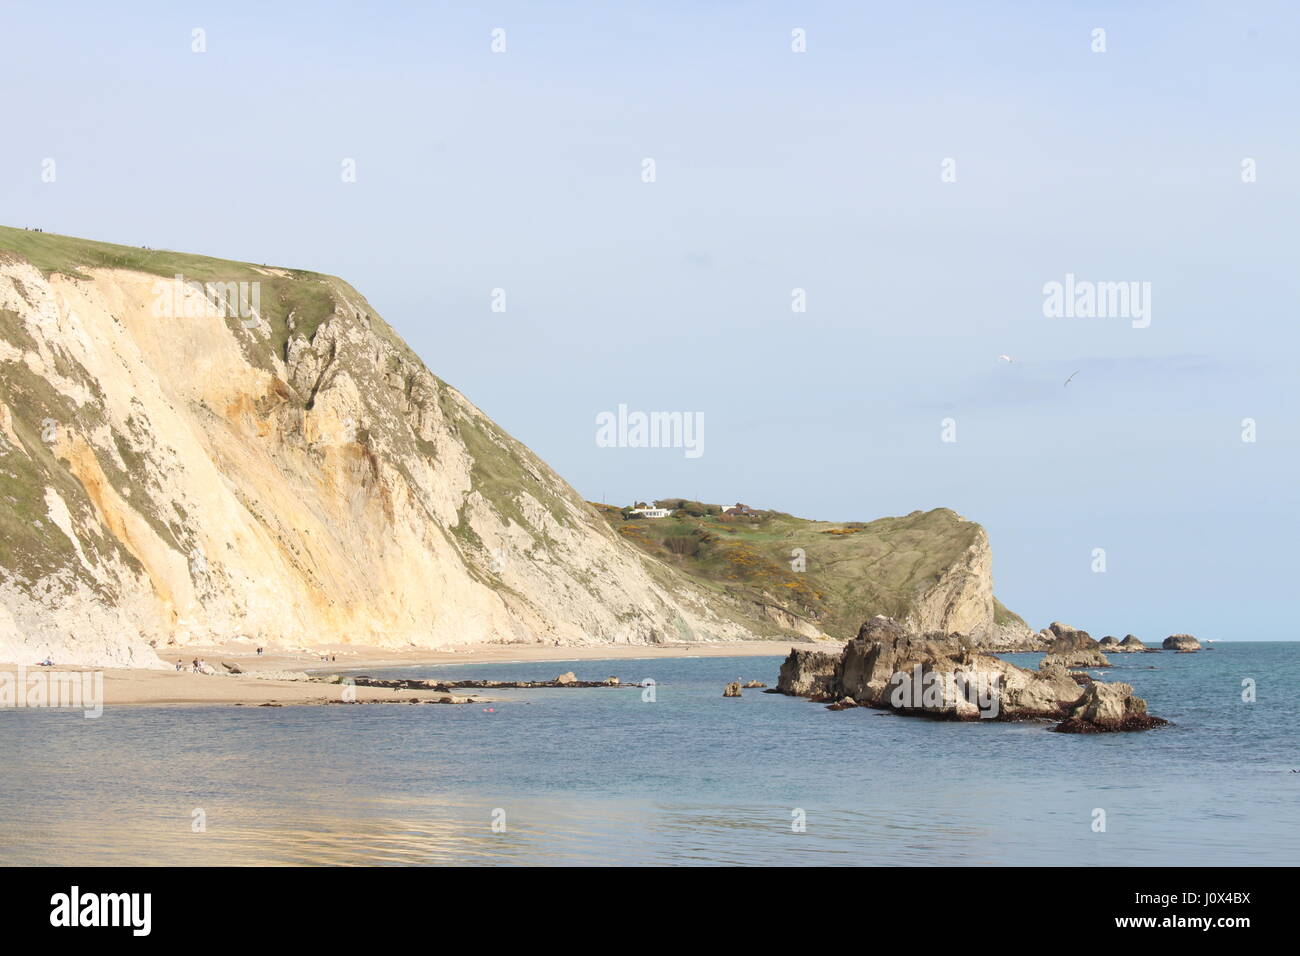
[[307, 296], [67, 254], [834, 573]]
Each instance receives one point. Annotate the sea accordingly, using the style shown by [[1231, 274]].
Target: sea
[[676, 775]]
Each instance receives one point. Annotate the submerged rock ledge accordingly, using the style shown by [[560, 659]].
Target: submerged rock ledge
[[564, 680], [945, 677]]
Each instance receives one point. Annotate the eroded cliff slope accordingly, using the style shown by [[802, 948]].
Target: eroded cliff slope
[[178, 466], [194, 450]]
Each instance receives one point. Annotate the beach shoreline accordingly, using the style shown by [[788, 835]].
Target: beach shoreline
[[169, 687]]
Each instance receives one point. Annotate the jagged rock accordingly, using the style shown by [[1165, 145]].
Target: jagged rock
[[732, 689], [882, 628], [1181, 642], [808, 673], [1131, 645], [888, 667], [948, 677], [1073, 648], [755, 683], [568, 677], [610, 681], [1007, 639], [844, 703], [1108, 642], [1108, 707]]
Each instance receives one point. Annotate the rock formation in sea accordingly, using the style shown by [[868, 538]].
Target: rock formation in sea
[[1071, 648], [1181, 642], [809, 672], [891, 667], [1131, 645], [1105, 708]]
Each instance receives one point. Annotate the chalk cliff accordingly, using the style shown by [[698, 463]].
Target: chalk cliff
[[176, 468], [194, 450], [961, 601]]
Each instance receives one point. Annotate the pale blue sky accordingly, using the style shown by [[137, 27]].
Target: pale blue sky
[[775, 170]]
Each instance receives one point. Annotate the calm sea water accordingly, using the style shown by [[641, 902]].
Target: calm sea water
[[600, 777]]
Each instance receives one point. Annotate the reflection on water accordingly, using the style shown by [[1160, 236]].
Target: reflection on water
[[600, 777], [541, 832]]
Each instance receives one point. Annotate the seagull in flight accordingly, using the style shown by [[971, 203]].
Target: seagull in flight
[[1005, 358], [1072, 374]]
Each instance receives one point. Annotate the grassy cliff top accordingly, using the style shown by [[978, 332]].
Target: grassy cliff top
[[69, 255], [850, 570], [309, 297]]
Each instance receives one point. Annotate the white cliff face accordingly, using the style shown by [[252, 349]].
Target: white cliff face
[[962, 601], [169, 480]]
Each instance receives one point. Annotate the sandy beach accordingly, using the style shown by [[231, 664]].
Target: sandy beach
[[257, 686]]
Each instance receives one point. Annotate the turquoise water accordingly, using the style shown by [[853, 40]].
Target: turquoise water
[[599, 776]]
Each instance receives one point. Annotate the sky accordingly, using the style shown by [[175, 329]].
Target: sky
[[921, 171]]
